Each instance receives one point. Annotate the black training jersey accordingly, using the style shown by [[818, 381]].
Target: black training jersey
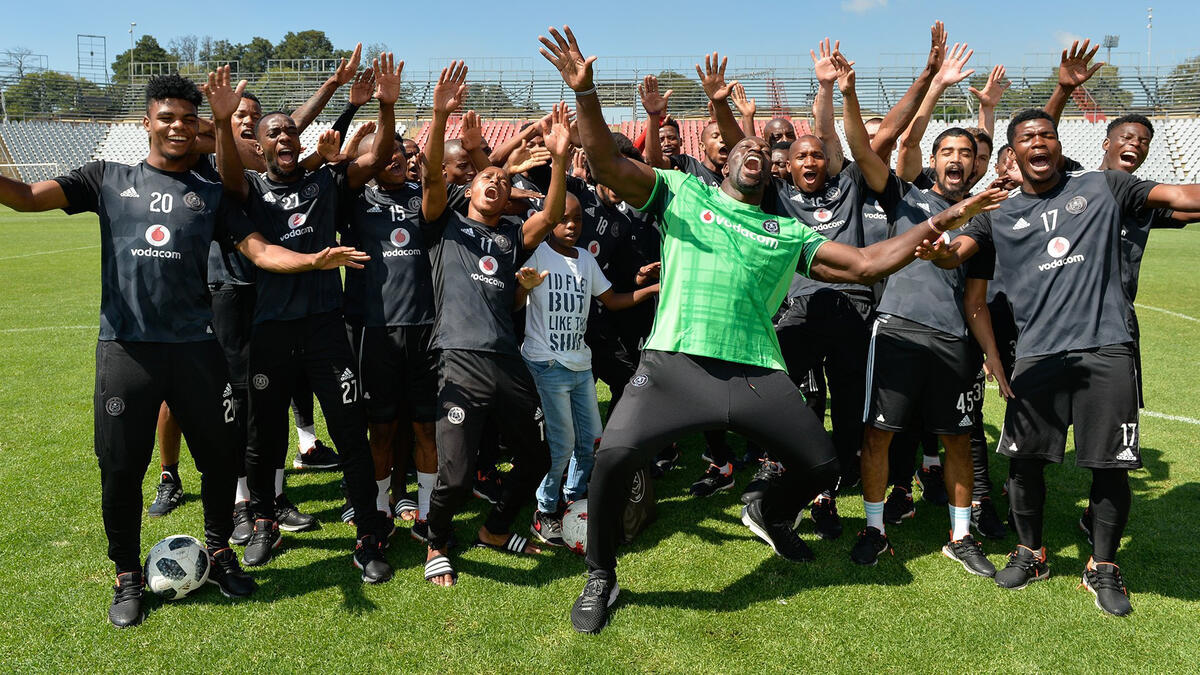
[[226, 265], [1060, 256], [1135, 232], [302, 216], [474, 282], [921, 291], [836, 211], [689, 164], [395, 287], [155, 231]]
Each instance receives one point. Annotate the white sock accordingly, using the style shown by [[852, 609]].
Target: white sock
[[243, 491], [425, 483], [381, 496], [928, 461], [278, 482], [875, 515], [960, 522], [307, 436]]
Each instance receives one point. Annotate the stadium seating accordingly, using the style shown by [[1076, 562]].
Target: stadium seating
[[65, 145]]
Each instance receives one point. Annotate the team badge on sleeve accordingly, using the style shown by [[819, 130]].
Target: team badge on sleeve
[[771, 226], [456, 415], [260, 381], [1076, 205], [114, 406], [193, 201], [310, 191]]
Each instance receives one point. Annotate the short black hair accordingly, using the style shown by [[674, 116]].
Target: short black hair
[[671, 123], [163, 87], [1025, 116], [252, 97], [785, 146], [265, 116], [1132, 118], [626, 147], [981, 136], [955, 132], [1002, 149]]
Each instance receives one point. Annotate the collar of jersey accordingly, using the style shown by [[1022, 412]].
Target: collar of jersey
[[732, 203]]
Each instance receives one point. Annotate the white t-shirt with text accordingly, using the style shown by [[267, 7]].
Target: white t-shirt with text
[[557, 311]]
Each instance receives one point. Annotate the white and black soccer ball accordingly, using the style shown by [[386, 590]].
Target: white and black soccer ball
[[176, 566], [574, 526]]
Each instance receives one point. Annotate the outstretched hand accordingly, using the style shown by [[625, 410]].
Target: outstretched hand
[[470, 132], [746, 106], [362, 87], [564, 53], [654, 102], [451, 88], [712, 78], [937, 46], [526, 157], [387, 78], [530, 278], [988, 200], [825, 67], [993, 90], [952, 72], [346, 69], [329, 145], [1074, 70], [223, 98], [556, 132], [845, 73], [339, 256]]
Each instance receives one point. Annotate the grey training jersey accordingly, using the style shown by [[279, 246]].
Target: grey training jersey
[[1060, 256], [155, 231], [226, 265], [301, 216], [689, 164]]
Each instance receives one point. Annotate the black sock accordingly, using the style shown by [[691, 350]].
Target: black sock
[[1027, 497], [170, 473], [1111, 500]]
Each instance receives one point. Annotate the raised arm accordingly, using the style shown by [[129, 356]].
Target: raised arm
[[448, 94], [712, 78], [979, 321], [619, 301], [901, 114], [40, 196], [1073, 71], [826, 72], [387, 90], [557, 133], [746, 108], [836, 262], [501, 153], [1183, 199], [989, 98], [281, 260], [305, 114], [874, 171], [224, 101], [909, 160], [631, 180], [470, 134], [656, 107]]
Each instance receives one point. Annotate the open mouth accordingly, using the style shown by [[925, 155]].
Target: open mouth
[[752, 165], [285, 157], [954, 174], [809, 175], [1039, 162], [247, 133], [491, 193], [1129, 158]]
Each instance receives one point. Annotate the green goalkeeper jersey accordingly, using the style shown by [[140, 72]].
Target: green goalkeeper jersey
[[726, 267]]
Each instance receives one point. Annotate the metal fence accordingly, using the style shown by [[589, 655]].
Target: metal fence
[[519, 88]]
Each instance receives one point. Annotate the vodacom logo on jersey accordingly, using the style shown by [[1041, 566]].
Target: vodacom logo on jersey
[[157, 235], [296, 220], [399, 237], [594, 248], [488, 265], [707, 217]]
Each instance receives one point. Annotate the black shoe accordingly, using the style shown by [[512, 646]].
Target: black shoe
[[986, 521], [289, 517], [488, 486], [826, 522], [969, 553], [228, 575], [1104, 580], [932, 482], [243, 524], [168, 496], [871, 543], [666, 460], [420, 532], [368, 557], [547, 528], [1024, 567], [126, 607], [898, 506], [263, 542], [713, 481], [590, 612], [753, 454], [1085, 524], [782, 538], [767, 472], [320, 456]]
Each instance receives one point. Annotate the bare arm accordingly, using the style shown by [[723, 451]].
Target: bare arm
[[909, 160], [558, 141], [874, 171], [500, 155], [281, 260], [305, 114], [632, 181], [835, 262], [387, 89], [40, 196], [746, 108], [224, 100], [712, 78], [1181, 198], [989, 98], [617, 301], [656, 106], [825, 69], [979, 321], [1073, 71], [448, 94], [901, 114], [470, 134]]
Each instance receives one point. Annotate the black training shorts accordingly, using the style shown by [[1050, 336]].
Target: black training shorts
[[398, 372]]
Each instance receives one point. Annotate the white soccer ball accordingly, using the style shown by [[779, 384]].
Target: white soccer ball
[[574, 526], [176, 566]]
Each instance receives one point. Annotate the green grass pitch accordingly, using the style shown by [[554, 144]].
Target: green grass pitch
[[699, 592]]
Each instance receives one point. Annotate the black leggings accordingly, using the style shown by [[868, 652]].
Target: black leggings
[[1110, 501], [674, 394]]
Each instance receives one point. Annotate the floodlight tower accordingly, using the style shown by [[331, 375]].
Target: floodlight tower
[[1149, 33], [1111, 41], [132, 24]]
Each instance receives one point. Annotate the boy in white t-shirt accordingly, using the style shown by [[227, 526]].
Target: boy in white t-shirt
[[555, 321]]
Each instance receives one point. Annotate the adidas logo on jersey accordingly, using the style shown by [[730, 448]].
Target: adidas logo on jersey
[[269, 197], [347, 375], [1021, 224], [1127, 455], [228, 391], [591, 210], [467, 231], [1012, 447], [130, 193], [965, 421], [374, 209]]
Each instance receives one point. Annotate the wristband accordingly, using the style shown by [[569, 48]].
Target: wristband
[[940, 233], [585, 92]]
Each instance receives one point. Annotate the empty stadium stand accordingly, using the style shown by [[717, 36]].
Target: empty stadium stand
[[61, 145]]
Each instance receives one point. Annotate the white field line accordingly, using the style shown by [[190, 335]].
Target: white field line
[[1147, 413], [61, 250], [1166, 311], [42, 328]]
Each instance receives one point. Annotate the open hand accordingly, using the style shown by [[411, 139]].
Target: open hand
[[530, 278], [952, 72], [1074, 70], [451, 88], [557, 133], [470, 133], [652, 101], [564, 53], [937, 46], [745, 106], [993, 90], [222, 98], [712, 78], [824, 66], [387, 78], [346, 69], [339, 256], [362, 87]]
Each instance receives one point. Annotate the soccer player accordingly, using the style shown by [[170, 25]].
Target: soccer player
[[713, 360], [157, 219], [298, 322], [1058, 245], [475, 262]]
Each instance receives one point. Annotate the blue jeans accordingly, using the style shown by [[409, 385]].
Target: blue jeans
[[572, 427]]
